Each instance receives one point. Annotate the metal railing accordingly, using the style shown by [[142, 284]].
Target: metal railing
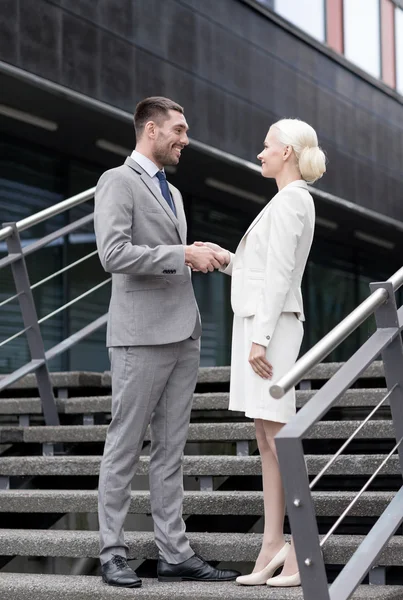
[[16, 259], [387, 342]]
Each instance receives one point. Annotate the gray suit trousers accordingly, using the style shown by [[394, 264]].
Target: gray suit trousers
[[150, 385]]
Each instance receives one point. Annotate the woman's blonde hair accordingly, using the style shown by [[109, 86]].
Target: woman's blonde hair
[[302, 138]]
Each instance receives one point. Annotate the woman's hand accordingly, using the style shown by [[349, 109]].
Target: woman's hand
[[258, 361], [225, 257]]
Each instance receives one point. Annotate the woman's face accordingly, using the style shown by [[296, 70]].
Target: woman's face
[[273, 155]]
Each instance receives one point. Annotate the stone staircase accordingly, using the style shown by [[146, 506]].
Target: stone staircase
[[48, 497]]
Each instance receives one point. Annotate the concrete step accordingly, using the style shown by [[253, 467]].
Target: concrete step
[[354, 398], [214, 465], [23, 586], [78, 379], [371, 504], [62, 380], [231, 547], [225, 432], [320, 372]]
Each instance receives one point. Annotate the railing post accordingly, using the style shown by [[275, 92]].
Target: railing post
[[386, 317], [30, 319], [301, 514]]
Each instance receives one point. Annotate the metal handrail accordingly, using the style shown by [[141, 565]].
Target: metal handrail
[[327, 344], [337, 335], [387, 342], [49, 212]]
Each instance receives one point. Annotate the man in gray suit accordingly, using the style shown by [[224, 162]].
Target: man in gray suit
[[153, 340]]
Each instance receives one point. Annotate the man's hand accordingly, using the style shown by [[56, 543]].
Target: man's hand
[[259, 362], [225, 255], [202, 258]]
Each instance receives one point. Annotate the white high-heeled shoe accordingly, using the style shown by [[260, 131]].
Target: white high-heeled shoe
[[285, 581], [261, 577]]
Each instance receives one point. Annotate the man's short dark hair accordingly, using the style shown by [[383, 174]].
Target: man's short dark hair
[[155, 108]]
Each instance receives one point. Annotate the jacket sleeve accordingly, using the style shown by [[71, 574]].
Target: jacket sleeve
[[113, 223], [286, 226], [228, 268]]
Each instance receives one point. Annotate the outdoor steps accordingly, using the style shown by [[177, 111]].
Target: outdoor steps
[[228, 547], [195, 466], [89, 394], [354, 398], [82, 379], [329, 504], [23, 586], [200, 432]]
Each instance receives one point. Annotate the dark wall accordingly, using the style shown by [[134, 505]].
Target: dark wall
[[233, 69]]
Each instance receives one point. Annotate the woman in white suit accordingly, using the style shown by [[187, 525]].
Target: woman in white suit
[[267, 270]]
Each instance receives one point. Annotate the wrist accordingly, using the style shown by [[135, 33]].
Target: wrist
[[188, 254]]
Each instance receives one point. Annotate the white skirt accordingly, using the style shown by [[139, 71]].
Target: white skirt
[[249, 393]]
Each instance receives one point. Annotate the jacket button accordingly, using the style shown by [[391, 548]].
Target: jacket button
[[267, 337]]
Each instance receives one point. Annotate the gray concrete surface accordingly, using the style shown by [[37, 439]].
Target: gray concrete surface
[[225, 432], [22, 586], [371, 504], [208, 401], [216, 465], [231, 547]]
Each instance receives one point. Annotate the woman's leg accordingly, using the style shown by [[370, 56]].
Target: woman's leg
[[273, 538], [276, 498]]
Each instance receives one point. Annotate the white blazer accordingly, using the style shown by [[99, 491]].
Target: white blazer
[[270, 260]]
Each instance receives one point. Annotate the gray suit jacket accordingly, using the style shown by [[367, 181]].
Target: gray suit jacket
[[141, 242]]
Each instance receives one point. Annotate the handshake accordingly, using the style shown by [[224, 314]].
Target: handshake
[[206, 256]]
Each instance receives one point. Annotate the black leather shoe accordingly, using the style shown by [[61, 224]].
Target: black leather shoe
[[193, 569], [118, 573]]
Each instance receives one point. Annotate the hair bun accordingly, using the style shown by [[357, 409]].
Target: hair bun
[[312, 163]]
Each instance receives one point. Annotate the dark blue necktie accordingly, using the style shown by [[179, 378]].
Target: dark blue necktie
[[165, 190]]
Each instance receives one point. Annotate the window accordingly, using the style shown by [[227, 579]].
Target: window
[[399, 49], [362, 34], [308, 15]]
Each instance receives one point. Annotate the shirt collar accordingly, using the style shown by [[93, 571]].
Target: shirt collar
[[145, 163]]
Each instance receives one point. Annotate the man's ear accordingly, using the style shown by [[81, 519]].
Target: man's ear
[[150, 129]]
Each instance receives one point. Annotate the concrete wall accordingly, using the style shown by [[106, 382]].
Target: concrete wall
[[233, 69]]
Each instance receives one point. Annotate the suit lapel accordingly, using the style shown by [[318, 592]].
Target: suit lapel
[[257, 219], [300, 184], [180, 211], [148, 182]]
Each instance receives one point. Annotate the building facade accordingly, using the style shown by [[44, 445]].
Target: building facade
[[71, 73]]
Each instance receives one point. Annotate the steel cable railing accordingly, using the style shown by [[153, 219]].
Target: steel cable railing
[[41, 282], [386, 341], [359, 494], [15, 336], [74, 301], [17, 253], [350, 439]]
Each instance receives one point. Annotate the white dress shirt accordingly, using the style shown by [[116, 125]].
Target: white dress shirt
[[149, 167]]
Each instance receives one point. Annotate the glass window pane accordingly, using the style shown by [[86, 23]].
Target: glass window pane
[[308, 15], [362, 34], [399, 50], [214, 222]]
